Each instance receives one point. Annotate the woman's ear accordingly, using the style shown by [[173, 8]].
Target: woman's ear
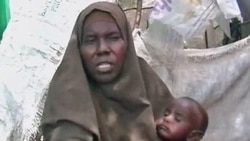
[[195, 135]]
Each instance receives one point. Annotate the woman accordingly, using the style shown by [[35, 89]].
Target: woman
[[102, 91]]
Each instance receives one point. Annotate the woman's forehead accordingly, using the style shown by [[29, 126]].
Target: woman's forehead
[[98, 16]]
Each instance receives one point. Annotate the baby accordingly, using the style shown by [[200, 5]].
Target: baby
[[184, 120]]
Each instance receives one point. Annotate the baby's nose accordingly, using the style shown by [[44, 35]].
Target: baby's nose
[[168, 118]]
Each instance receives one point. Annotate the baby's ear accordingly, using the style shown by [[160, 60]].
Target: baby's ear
[[195, 135]]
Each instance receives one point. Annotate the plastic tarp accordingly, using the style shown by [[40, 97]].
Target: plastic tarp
[[181, 15], [219, 78], [32, 47], [229, 8], [29, 56]]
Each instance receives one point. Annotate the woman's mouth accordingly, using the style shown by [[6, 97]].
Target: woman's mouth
[[104, 67]]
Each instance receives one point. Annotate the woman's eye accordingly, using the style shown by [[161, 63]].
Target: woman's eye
[[89, 40], [114, 37]]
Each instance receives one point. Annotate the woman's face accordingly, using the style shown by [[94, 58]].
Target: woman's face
[[103, 48]]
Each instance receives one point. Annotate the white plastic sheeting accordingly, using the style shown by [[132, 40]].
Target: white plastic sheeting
[[32, 47], [219, 78], [188, 17], [34, 43], [229, 8]]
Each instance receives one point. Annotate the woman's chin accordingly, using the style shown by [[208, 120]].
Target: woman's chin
[[105, 78]]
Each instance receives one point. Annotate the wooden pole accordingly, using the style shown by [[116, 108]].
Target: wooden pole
[[138, 14]]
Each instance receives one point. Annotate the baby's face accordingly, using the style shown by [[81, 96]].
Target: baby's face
[[178, 121]]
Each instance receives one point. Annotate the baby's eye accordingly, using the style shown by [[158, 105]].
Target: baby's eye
[[178, 118]]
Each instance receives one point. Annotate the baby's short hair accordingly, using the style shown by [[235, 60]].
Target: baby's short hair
[[204, 116]]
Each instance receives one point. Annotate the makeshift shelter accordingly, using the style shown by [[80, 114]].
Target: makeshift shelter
[[219, 77]]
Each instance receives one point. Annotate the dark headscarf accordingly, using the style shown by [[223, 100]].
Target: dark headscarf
[[123, 110]]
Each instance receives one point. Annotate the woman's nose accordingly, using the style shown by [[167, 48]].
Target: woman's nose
[[103, 47]]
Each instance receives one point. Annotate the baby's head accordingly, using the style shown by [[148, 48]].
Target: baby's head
[[184, 120]]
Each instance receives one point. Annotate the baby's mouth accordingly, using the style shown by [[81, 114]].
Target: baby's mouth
[[162, 127]]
